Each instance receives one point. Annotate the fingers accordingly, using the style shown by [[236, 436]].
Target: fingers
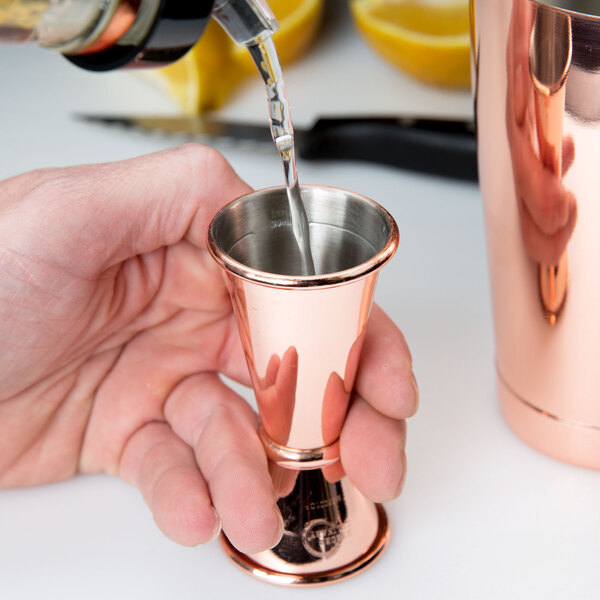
[[385, 378], [221, 428], [374, 433], [372, 451], [163, 468], [107, 213], [212, 459], [173, 194]]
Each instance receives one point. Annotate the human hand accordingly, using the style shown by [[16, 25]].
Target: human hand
[[115, 325]]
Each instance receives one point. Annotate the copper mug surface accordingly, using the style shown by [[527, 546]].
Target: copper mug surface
[[536, 84], [302, 337]]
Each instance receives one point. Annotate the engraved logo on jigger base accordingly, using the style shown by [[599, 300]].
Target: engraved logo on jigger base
[[315, 520], [322, 538]]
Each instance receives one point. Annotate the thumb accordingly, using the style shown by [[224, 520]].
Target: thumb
[[94, 216]]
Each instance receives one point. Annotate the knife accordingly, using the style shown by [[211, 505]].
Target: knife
[[445, 148]]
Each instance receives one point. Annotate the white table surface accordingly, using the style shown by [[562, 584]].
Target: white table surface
[[482, 515]]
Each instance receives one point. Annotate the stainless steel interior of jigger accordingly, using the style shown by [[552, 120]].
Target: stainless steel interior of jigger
[[350, 235], [302, 337]]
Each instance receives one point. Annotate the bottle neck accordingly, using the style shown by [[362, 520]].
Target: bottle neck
[[107, 34], [68, 27], [102, 35]]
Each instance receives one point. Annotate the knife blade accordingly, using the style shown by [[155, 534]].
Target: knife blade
[[445, 148]]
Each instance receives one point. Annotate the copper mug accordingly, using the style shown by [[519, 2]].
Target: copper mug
[[302, 337], [536, 84]]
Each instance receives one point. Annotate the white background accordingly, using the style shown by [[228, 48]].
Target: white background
[[482, 514]]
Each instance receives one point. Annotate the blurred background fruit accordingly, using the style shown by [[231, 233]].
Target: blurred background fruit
[[427, 39], [209, 73]]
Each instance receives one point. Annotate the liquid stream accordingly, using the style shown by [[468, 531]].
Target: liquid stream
[[267, 61]]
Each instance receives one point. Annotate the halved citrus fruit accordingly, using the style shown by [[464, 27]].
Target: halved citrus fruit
[[429, 40], [205, 77]]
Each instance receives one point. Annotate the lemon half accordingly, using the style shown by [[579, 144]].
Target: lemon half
[[207, 75], [428, 40]]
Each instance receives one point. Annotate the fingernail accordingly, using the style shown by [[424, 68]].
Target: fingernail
[[217, 529], [279, 530], [417, 394], [403, 479]]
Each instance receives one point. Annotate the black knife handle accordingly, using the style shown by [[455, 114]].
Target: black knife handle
[[445, 148]]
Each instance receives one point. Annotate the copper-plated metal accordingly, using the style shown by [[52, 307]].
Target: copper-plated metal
[[298, 459], [332, 575], [550, 53], [302, 337], [569, 441], [536, 74]]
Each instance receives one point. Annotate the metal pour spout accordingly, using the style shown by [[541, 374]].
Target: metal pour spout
[[248, 22]]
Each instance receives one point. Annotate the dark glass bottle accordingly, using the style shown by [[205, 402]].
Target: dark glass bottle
[[101, 35]]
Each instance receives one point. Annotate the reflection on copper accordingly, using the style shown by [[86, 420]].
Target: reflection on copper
[[549, 62], [276, 394], [538, 142], [335, 406], [302, 338], [553, 286]]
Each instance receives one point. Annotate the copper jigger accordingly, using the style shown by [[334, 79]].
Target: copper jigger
[[302, 337]]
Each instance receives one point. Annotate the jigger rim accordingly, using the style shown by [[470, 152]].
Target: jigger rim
[[335, 278]]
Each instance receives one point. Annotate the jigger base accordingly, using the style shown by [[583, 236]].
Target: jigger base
[[250, 566], [565, 440]]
